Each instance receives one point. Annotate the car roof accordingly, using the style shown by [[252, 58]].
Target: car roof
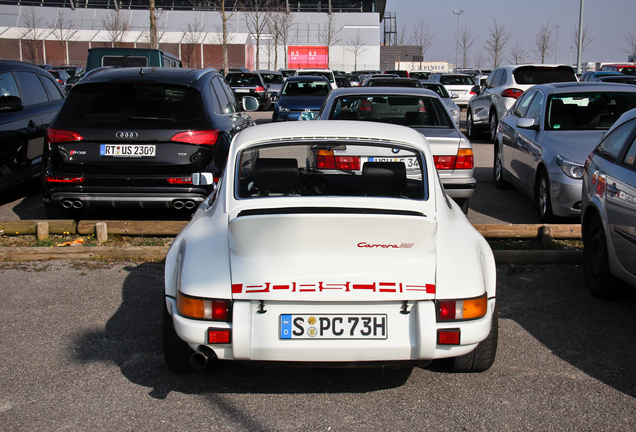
[[306, 78], [178, 76], [573, 86], [382, 91], [14, 64]]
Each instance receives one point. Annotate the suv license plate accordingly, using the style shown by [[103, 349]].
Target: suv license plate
[[344, 326], [127, 150]]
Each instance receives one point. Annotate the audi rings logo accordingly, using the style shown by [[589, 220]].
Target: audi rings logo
[[126, 135]]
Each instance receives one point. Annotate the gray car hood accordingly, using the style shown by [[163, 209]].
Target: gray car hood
[[573, 145]]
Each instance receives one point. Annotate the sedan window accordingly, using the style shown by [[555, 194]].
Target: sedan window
[[587, 111], [8, 86], [615, 142]]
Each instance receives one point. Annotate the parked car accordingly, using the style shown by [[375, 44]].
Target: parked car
[[382, 288], [546, 136], [274, 82], [626, 69], [593, 75], [400, 73], [29, 99], [61, 76], [250, 84], [420, 74], [287, 72], [457, 84], [502, 88], [320, 72], [421, 110], [622, 79], [609, 210], [72, 70], [342, 81], [130, 57], [392, 81], [301, 94], [448, 100], [129, 137]]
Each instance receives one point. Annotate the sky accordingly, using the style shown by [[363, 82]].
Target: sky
[[609, 22]]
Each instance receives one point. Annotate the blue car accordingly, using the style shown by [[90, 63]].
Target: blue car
[[301, 94]]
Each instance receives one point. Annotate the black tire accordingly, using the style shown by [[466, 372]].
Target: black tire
[[470, 126], [600, 281], [176, 352], [463, 204], [493, 122], [482, 357], [497, 170], [542, 199]]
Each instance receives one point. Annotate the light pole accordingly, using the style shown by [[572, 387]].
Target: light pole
[[556, 48], [458, 13]]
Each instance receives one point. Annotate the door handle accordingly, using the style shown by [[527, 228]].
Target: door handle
[[612, 189]]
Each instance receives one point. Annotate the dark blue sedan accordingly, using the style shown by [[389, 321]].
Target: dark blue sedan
[[301, 94]]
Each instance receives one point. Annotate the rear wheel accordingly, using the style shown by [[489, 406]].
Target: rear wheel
[[494, 122], [497, 167], [176, 352], [482, 357], [470, 126], [600, 281]]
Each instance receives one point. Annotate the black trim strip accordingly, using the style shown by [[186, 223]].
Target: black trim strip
[[328, 210], [627, 236]]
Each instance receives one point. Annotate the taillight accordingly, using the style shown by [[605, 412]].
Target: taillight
[[465, 309], [63, 179], [465, 159], [179, 180], [512, 93], [259, 89], [203, 308], [208, 137], [218, 336], [57, 135], [325, 159], [365, 106]]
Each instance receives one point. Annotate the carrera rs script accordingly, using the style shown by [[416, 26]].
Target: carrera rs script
[[385, 246]]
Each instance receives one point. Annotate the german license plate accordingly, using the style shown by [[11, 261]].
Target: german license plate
[[328, 326], [127, 150], [242, 90], [411, 162]]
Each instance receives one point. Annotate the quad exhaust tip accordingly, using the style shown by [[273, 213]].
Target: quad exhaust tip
[[72, 204], [186, 204]]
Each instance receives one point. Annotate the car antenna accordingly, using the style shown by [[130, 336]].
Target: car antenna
[[141, 71]]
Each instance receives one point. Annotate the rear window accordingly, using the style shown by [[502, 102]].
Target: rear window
[[242, 80], [413, 111], [349, 169], [543, 75], [326, 74], [272, 78], [456, 80], [125, 61], [393, 83], [420, 75], [306, 88], [132, 103], [439, 89]]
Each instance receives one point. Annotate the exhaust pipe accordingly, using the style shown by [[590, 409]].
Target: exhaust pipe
[[189, 205], [178, 205], [75, 204], [200, 359]]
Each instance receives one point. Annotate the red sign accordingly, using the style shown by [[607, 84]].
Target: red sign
[[316, 57]]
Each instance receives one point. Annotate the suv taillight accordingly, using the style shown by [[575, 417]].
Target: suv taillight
[[512, 93], [57, 135], [208, 137], [259, 89]]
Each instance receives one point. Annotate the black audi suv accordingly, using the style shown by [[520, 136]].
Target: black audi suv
[[133, 137]]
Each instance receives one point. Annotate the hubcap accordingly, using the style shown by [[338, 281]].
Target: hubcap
[[493, 127], [543, 197]]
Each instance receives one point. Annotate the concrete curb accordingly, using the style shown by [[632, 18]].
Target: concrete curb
[[158, 253]]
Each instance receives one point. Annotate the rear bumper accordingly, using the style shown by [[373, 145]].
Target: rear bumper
[[411, 337], [459, 187]]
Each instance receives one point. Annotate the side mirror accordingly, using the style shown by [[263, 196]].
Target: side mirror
[[308, 116], [526, 123], [475, 89], [250, 103], [10, 104], [202, 179], [454, 96]]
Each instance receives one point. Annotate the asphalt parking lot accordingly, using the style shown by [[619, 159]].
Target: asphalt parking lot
[[81, 349]]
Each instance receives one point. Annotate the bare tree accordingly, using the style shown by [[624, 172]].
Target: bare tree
[[63, 31], [117, 27], [33, 35], [279, 27], [422, 37], [226, 10], [631, 44], [192, 38], [464, 44], [586, 39], [496, 43], [518, 55], [401, 42], [479, 59], [257, 18], [154, 43], [356, 45], [329, 35], [543, 43]]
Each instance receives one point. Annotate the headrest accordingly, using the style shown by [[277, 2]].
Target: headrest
[[384, 179], [276, 175]]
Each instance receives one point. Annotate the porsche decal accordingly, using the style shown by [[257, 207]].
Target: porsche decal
[[319, 287]]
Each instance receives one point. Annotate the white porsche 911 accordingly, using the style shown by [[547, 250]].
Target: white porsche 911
[[357, 260]]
